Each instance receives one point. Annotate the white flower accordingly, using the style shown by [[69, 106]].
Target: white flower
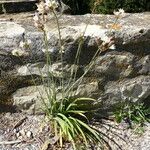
[[25, 44], [48, 2], [105, 39], [41, 7], [19, 52], [36, 17], [52, 4], [37, 22], [116, 13], [49, 50], [108, 43], [29, 42], [21, 44], [112, 46], [119, 13]]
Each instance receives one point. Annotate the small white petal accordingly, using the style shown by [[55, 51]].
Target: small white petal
[[29, 42], [19, 52], [121, 11], [36, 18], [49, 50], [116, 13], [17, 134], [105, 39], [21, 44], [112, 47]]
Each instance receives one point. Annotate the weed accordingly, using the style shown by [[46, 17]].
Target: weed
[[135, 114]]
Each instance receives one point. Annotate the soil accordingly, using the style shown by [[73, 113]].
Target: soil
[[19, 131]]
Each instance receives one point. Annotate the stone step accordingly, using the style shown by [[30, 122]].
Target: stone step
[[15, 6]]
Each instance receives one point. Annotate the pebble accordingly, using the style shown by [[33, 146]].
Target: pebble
[[20, 137], [8, 130], [22, 132], [15, 130], [17, 134], [29, 134]]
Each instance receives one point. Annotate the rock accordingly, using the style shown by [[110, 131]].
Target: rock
[[131, 37], [10, 35], [114, 65], [87, 89], [134, 90], [29, 99], [41, 69], [144, 64]]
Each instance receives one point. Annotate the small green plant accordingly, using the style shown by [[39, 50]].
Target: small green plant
[[70, 121], [133, 114]]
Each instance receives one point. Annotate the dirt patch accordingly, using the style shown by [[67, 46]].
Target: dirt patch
[[21, 132]]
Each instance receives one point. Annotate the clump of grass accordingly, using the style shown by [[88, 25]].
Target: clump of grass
[[71, 122]]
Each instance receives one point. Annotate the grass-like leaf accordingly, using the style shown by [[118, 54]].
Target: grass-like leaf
[[72, 121]]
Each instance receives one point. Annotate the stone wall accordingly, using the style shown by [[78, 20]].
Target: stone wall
[[118, 75]]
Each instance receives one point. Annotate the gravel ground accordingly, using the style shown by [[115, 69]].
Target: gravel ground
[[28, 132]]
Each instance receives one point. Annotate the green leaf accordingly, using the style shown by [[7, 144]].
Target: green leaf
[[80, 113], [68, 125], [65, 119], [80, 130], [83, 99], [92, 131], [70, 106]]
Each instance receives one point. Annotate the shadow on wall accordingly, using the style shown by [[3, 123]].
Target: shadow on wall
[[107, 6], [17, 7], [78, 7]]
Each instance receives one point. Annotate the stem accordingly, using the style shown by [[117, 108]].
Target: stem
[[78, 81], [55, 128], [79, 50], [60, 138], [61, 55], [51, 94], [58, 27]]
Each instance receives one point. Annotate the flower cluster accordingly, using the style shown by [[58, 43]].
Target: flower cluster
[[25, 44], [51, 4], [120, 13], [19, 52], [23, 49], [108, 43], [44, 7], [38, 22]]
